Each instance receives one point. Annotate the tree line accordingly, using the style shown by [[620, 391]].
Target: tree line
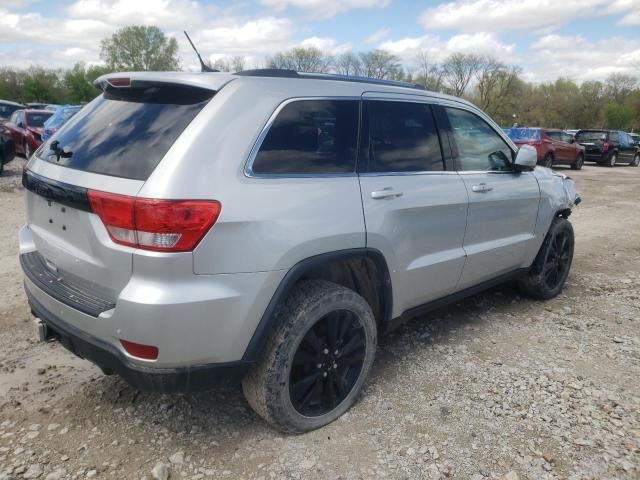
[[494, 86]]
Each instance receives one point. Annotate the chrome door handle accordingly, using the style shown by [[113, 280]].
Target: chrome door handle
[[482, 188], [387, 192]]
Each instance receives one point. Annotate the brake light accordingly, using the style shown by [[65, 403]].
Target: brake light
[[119, 81], [148, 352], [605, 147], [150, 224]]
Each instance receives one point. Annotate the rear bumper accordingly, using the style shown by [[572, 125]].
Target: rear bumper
[[595, 157], [111, 360]]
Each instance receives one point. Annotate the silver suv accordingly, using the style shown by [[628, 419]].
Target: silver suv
[[186, 230]]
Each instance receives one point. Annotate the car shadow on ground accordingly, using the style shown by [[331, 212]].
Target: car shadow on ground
[[224, 414]]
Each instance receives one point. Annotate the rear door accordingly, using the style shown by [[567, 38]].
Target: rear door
[[113, 145], [415, 209], [503, 204]]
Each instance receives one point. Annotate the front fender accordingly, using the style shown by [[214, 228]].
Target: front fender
[[558, 196]]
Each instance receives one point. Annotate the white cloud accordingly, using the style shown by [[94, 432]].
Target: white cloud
[[378, 36], [577, 58], [326, 44], [502, 15], [325, 8], [438, 48]]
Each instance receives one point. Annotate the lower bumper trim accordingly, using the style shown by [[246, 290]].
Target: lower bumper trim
[[111, 360]]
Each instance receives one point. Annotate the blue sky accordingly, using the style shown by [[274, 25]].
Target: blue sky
[[581, 39]]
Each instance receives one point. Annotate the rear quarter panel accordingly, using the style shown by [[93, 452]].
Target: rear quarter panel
[[265, 223]]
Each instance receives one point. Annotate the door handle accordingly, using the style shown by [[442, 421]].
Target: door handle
[[482, 188], [387, 192]]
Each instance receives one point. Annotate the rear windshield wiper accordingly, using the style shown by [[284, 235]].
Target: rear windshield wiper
[[58, 151]]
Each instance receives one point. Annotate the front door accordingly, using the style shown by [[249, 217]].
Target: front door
[[415, 210], [503, 204]]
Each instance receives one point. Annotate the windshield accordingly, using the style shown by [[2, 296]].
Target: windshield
[[37, 119], [523, 134], [125, 132], [590, 136], [6, 110]]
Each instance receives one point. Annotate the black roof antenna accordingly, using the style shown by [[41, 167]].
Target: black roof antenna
[[203, 66]]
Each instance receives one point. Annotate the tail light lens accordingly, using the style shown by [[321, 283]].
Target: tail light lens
[[150, 224], [605, 147]]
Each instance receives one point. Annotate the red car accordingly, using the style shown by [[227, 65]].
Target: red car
[[554, 147], [26, 127]]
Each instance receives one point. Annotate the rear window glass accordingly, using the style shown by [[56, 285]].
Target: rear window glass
[[590, 136], [6, 110], [311, 137], [37, 119], [125, 132], [402, 138], [523, 134]]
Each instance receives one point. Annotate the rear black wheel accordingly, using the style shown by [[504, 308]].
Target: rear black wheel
[[317, 359], [636, 160], [577, 165], [550, 270], [612, 160], [548, 160]]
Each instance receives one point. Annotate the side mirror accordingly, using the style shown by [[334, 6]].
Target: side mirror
[[20, 124], [526, 158]]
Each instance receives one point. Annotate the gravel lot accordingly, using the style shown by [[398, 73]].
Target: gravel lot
[[497, 386]]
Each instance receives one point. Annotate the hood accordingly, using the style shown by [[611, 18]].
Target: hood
[[36, 130]]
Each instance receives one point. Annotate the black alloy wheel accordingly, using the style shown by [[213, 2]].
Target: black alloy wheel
[[558, 260], [327, 363]]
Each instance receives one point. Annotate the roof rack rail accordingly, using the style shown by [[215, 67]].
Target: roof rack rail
[[283, 73]]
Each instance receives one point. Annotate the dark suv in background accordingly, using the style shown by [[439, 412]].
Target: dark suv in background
[[608, 147]]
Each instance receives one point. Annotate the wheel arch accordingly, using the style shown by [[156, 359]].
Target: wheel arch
[[364, 270]]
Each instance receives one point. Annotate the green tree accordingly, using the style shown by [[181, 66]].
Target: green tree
[[140, 48], [618, 116], [40, 85], [78, 82]]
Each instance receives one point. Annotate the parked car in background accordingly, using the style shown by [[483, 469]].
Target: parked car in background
[[636, 139], [52, 106], [36, 105], [554, 146], [608, 147], [7, 146], [7, 108], [61, 116], [26, 129], [571, 132], [179, 276]]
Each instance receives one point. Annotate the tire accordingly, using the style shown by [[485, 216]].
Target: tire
[[27, 150], [556, 254], [298, 351], [577, 165], [612, 160], [636, 160], [1, 164], [548, 160]]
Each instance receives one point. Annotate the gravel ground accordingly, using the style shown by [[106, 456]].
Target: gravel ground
[[497, 386]]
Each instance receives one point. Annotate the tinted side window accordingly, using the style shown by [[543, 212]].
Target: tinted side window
[[567, 138], [402, 137], [554, 135], [311, 137], [479, 146]]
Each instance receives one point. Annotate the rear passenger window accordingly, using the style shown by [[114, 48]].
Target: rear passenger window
[[311, 137], [479, 146], [402, 138]]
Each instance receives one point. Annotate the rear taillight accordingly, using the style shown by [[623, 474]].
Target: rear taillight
[[605, 147], [149, 224]]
